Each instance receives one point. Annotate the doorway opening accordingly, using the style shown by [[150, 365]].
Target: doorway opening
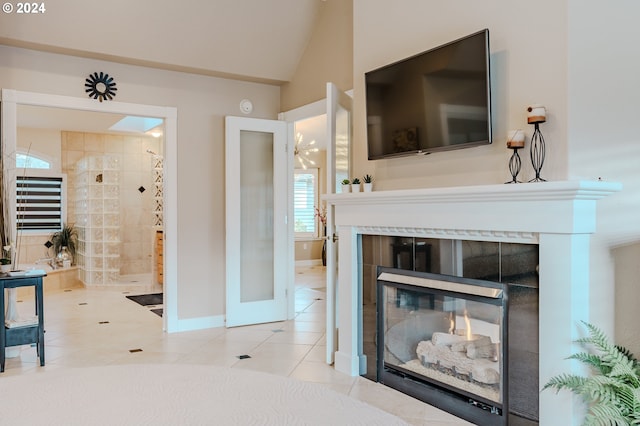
[[19, 112]]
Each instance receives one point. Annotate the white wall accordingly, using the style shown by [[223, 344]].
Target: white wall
[[202, 102], [529, 65], [604, 142], [578, 58]]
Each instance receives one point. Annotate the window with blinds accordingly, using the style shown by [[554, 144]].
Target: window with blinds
[[39, 204], [305, 199]]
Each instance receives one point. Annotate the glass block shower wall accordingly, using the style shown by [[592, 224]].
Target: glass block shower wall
[[97, 209]]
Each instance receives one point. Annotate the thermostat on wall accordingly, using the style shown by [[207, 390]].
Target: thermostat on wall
[[246, 106]]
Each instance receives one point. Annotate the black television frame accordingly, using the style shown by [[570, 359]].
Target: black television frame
[[421, 150]]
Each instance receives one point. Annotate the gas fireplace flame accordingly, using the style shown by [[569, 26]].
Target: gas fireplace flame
[[467, 321], [452, 323]]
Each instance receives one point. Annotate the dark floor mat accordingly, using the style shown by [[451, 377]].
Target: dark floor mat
[[147, 299], [158, 311]]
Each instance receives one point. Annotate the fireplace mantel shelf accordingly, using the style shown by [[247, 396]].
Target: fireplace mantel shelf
[[561, 190], [526, 209]]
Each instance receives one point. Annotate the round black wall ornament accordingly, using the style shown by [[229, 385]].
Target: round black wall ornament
[[100, 86]]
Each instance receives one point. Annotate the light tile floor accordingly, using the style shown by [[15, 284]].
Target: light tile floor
[[92, 327]]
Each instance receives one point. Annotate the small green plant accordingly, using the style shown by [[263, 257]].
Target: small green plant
[[345, 181], [355, 181], [612, 392], [367, 178], [66, 237], [6, 255]]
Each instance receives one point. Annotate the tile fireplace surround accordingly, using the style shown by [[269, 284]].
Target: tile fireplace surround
[[558, 216]]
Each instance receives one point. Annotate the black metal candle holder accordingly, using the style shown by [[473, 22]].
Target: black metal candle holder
[[537, 152], [515, 163]]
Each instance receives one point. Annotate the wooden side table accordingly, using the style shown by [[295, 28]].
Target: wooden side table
[[26, 334]]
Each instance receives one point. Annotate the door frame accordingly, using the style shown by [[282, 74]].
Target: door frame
[[12, 98], [313, 109]]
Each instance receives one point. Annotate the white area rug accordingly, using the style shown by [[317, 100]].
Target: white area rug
[[176, 395]]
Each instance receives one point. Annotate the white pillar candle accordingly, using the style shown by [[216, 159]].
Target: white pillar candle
[[536, 114], [515, 139]]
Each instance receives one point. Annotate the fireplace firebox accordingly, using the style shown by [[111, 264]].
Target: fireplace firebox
[[443, 339]]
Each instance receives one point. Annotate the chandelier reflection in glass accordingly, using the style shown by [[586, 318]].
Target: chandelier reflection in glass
[[303, 150]]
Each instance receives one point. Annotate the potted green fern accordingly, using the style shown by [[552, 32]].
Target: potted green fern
[[612, 392]]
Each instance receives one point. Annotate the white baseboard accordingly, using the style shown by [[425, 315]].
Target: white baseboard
[[201, 323]]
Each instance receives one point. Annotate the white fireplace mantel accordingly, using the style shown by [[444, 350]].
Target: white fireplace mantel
[[559, 216]]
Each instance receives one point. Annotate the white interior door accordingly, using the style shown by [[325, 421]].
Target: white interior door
[[338, 168], [256, 221]]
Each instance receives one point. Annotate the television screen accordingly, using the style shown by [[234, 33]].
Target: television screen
[[435, 101]]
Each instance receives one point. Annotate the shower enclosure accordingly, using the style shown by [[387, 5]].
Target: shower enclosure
[[98, 219]]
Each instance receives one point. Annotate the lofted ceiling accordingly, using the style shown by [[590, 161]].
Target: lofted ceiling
[[249, 40], [253, 40]]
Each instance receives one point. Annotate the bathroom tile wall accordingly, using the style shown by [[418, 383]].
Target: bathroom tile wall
[[136, 206]]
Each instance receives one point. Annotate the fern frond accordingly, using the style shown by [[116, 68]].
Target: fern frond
[[604, 415], [623, 369], [626, 400], [601, 389], [596, 338], [634, 417], [627, 353], [592, 360], [566, 381]]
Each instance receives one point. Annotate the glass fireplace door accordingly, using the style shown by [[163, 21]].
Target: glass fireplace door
[[444, 331]]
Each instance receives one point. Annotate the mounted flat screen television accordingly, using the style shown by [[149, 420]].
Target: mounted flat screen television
[[437, 100]]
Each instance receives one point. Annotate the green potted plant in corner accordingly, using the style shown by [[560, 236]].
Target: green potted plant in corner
[[367, 184], [612, 392], [355, 185], [65, 241], [5, 261], [346, 185]]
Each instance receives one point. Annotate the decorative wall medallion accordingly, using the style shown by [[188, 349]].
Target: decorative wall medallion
[[100, 86]]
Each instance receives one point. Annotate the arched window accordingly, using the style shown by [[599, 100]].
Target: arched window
[[28, 161]]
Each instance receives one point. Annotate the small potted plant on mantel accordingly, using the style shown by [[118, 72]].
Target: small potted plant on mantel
[[346, 185], [367, 185], [355, 185]]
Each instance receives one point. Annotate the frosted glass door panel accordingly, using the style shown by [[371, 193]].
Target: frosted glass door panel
[[342, 138], [256, 216]]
